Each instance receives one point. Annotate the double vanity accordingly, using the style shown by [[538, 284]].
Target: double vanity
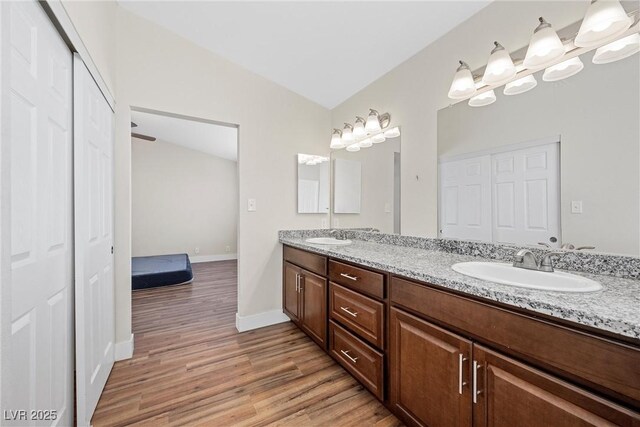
[[448, 333]]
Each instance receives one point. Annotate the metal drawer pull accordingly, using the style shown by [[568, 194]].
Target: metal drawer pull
[[346, 353], [475, 381], [346, 309], [354, 278], [297, 282], [461, 383]]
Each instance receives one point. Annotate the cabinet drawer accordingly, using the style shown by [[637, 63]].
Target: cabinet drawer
[[361, 360], [360, 279], [312, 262], [363, 315]]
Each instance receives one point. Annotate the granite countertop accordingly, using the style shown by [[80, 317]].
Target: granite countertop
[[615, 308]]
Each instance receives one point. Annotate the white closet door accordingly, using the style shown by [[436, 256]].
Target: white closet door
[[526, 196], [465, 199], [36, 228], [93, 152]]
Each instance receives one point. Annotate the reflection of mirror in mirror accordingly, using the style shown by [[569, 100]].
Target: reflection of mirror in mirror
[[313, 183], [366, 187], [558, 165]]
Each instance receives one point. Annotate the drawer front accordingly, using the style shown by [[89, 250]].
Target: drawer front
[[359, 279], [312, 262], [361, 360], [361, 314], [610, 367]]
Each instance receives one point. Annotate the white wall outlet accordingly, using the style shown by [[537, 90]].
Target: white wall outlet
[[576, 206], [387, 207], [228, 249], [197, 250], [251, 205], [323, 223]]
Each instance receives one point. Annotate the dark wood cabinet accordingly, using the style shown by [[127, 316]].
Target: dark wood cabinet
[[429, 373], [313, 319], [512, 393], [291, 294]]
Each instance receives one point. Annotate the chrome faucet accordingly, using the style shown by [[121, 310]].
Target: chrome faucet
[[339, 234], [528, 260], [568, 246]]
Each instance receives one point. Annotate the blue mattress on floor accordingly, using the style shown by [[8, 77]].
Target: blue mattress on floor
[[160, 270]]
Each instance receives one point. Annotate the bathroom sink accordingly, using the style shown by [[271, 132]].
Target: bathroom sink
[[507, 274], [328, 241]]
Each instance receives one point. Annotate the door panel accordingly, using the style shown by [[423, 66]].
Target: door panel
[[94, 240], [314, 307], [429, 372], [37, 245], [291, 294]]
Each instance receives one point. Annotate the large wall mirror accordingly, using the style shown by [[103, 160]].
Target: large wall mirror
[[558, 165], [314, 182]]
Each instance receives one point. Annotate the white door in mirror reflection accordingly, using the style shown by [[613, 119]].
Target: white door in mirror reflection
[[506, 197]]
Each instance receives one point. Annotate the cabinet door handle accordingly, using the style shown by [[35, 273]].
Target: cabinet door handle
[[298, 285], [354, 278], [476, 392], [346, 309], [461, 383], [348, 356]]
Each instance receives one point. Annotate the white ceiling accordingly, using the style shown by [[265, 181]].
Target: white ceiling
[[323, 50], [209, 138]]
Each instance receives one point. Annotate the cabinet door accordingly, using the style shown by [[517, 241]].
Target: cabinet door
[[314, 307], [430, 373], [511, 393], [291, 292]]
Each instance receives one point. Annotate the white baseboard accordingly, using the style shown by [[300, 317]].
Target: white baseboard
[[260, 320], [209, 258], [124, 349]]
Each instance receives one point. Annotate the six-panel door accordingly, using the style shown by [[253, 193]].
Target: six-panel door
[[429, 373]]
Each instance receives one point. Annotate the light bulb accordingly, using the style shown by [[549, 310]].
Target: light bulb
[[373, 122], [377, 139], [347, 133], [605, 20], [519, 86], [500, 68], [358, 128], [353, 147], [366, 143], [392, 133], [463, 85], [336, 140], [544, 48], [563, 70], [485, 98], [619, 49]]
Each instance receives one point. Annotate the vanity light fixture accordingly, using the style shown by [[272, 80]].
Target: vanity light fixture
[[500, 68], [336, 140], [563, 70], [463, 85], [519, 86], [358, 128], [617, 50], [392, 133], [353, 147], [347, 133], [366, 143], [544, 48], [605, 20], [373, 122], [485, 98], [377, 139], [311, 160]]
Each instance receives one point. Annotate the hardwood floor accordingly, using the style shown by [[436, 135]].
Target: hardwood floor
[[191, 367]]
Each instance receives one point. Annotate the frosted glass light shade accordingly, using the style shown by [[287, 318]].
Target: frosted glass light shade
[[544, 48], [353, 148], [619, 49], [373, 122], [358, 128], [604, 20], [485, 98], [336, 141], [463, 85], [366, 143], [347, 133], [392, 133], [563, 70], [500, 67], [519, 86], [377, 139]]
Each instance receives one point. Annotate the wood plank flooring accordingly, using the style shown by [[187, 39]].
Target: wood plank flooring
[[191, 367]]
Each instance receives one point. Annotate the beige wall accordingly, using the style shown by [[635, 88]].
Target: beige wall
[[159, 70], [182, 199], [593, 112], [414, 91]]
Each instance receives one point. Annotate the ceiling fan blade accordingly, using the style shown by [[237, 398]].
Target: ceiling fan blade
[[145, 137]]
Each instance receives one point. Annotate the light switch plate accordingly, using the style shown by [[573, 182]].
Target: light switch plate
[[576, 206], [251, 205]]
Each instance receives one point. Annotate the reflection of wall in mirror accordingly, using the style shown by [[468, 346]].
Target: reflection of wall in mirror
[[347, 188], [596, 115], [313, 188]]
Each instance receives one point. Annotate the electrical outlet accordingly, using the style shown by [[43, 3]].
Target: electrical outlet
[[251, 205], [197, 250], [576, 206]]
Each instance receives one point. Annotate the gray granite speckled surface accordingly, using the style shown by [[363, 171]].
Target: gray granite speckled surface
[[615, 308]]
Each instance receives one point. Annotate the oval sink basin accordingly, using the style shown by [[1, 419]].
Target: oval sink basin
[[328, 241], [507, 274]]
